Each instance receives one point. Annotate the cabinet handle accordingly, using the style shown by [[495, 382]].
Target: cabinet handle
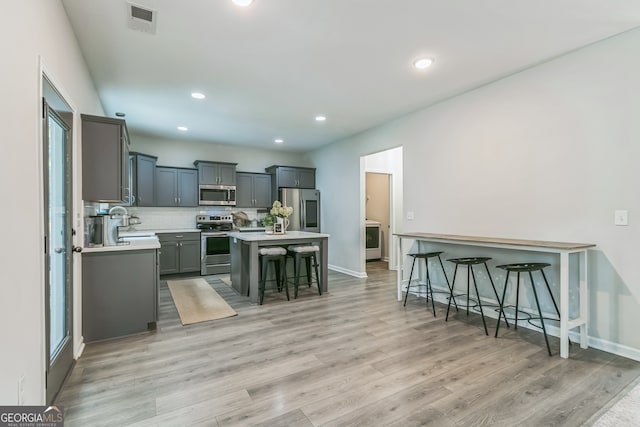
[[179, 200], [175, 200], [180, 244], [179, 237]]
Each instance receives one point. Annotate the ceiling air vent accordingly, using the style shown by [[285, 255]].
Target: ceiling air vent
[[142, 19]]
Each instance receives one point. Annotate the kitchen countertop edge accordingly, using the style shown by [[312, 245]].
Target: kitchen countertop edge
[[289, 235]]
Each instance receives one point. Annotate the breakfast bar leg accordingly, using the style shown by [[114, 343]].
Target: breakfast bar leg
[[564, 305], [254, 273], [400, 265], [584, 302], [324, 261]]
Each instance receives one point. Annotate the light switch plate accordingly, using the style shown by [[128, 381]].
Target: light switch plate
[[410, 216], [621, 217]]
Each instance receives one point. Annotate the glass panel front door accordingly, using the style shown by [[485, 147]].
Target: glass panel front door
[[58, 248], [58, 327]]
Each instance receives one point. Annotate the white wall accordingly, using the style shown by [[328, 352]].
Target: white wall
[[30, 30], [548, 154], [180, 153]]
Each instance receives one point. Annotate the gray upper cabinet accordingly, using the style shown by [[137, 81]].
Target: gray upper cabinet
[[216, 173], [253, 190], [187, 187], [142, 179], [292, 177], [105, 160], [176, 186]]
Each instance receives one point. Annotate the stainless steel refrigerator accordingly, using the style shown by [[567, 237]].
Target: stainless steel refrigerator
[[306, 208]]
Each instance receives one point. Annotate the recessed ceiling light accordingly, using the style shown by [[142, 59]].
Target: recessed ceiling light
[[320, 118], [197, 95], [278, 140], [243, 3], [423, 63], [183, 128]]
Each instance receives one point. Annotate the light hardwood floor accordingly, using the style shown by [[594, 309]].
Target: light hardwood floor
[[352, 357]]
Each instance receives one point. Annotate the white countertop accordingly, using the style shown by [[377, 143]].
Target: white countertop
[[158, 231], [135, 244], [249, 229], [262, 236]]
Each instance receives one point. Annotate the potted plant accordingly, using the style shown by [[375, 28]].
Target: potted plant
[[267, 222]]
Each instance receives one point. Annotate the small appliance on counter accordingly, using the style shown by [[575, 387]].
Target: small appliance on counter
[[103, 230], [93, 234]]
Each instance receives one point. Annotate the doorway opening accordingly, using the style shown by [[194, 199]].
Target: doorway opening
[[381, 207]]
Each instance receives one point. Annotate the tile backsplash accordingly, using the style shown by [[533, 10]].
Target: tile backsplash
[[157, 218]]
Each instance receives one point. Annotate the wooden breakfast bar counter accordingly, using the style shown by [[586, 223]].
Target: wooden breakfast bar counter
[[244, 256], [562, 249]]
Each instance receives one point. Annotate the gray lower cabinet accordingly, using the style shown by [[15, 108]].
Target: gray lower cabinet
[[179, 252], [176, 186], [253, 190], [119, 293]]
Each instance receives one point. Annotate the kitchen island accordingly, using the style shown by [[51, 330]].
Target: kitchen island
[[244, 256]]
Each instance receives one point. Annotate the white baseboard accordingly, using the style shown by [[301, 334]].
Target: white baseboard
[[612, 347], [347, 271], [552, 330], [78, 350]]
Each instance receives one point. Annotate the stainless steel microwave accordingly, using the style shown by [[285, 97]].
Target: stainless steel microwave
[[217, 195]]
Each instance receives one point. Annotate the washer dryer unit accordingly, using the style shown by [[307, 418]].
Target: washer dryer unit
[[373, 240]]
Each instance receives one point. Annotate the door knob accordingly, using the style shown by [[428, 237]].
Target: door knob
[[77, 249]]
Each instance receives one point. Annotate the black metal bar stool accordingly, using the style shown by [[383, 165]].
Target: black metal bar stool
[[526, 268], [308, 254], [425, 256], [470, 262], [276, 256]]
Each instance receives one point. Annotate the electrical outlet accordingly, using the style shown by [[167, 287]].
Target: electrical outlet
[[21, 390], [621, 217], [410, 216]]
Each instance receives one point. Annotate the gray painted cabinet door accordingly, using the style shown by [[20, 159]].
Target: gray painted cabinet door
[[166, 186], [306, 178], [244, 190], [227, 174], [169, 257], [104, 159], [253, 190], [287, 177], [262, 191], [208, 173], [189, 256], [187, 187], [145, 181]]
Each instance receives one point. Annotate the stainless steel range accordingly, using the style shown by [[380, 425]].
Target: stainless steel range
[[214, 250]]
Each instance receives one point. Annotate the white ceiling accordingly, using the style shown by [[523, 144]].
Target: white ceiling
[[268, 69]]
